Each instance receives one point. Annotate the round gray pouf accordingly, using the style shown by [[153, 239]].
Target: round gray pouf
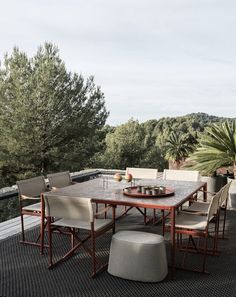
[[138, 256]]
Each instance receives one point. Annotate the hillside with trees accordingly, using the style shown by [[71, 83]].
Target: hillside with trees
[[153, 143], [54, 120]]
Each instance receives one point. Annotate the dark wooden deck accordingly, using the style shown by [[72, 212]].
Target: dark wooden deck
[[24, 272]]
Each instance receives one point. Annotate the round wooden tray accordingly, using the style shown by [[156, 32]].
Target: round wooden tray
[[132, 192]]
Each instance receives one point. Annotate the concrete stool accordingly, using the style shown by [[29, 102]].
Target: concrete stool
[[138, 256]]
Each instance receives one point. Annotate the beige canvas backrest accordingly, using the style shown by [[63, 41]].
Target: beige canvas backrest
[[69, 207], [214, 205], [32, 187], [224, 194], [59, 179], [146, 173], [182, 175]]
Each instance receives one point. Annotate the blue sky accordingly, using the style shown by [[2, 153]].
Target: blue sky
[[152, 58]]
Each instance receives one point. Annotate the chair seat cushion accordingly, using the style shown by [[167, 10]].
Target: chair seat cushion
[[33, 207], [98, 223], [198, 207], [189, 221]]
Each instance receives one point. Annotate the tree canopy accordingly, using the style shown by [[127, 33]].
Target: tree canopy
[[48, 116], [177, 148]]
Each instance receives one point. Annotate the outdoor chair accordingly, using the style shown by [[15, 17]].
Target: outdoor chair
[[197, 226], [202, 207], [29, 190], [182, 175], [76, 213], [141, 173], [179, 175], [59, 179]]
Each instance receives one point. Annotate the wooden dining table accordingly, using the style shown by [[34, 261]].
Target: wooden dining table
[[108, 191]]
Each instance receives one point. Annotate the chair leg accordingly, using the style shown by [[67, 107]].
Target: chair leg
[[185, 252], [224, 221], [215, 242], [205, 255], [105, 215], [163, 222], [73, 238], [22, 228], [145, 216], [93, 254], [49, 241]]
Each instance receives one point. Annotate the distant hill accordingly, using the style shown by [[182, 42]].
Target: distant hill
[[204, 117], [191, 124]]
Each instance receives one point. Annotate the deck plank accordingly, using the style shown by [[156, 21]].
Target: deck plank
[[13, 226]]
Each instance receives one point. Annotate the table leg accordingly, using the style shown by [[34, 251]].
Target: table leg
[[205, 192], [172, 236], [42, 225]]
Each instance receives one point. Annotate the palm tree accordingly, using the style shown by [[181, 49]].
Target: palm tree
[[217, 148], [178, 148]]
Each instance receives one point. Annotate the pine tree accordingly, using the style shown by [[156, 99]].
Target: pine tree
[[48, 116]]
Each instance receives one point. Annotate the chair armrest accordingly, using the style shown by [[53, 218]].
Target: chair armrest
[[52, 188], [24, 197], [207, 192]]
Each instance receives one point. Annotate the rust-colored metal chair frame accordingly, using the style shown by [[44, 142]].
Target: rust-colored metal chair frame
[[31, 189], [72, 231], [213, 213], [202, 206]]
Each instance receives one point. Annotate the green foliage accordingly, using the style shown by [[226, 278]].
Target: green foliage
[[217, 148], [9, 209], [149, 143], [178, 147], [124, 146], [49, 117]]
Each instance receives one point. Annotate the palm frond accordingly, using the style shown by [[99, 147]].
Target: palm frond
[[217, 148]]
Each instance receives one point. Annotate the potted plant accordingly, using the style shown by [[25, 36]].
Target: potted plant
[[216, 149]]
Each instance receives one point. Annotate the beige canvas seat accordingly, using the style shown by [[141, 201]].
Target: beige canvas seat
[[141, 173], [202, 207], [76, 213], [30, 190], [59, 179], [198, 226]]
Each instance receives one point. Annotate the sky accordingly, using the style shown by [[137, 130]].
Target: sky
[[152, 58]]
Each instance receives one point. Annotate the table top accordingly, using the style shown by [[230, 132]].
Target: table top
[[110, 191]]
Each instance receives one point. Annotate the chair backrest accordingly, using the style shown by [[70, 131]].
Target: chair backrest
[[214, 205], [183, 175], [68, 207], [59, 179], [146, 173], [224, 194], [32, 187]]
